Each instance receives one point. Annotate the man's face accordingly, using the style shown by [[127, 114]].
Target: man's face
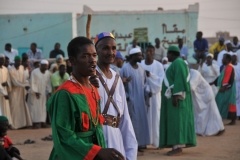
[[43, 67], [180, 42], [2, 61], [3, 128], [8, 48], [157, 41], [7, 61], [106, 50], [62, 70], [120, 62], [59, 60], [150, 52], [225, 60], [17, 63], [221, 43], [234, 59], [170, 57], [199, 36], [85, 63], [57, 46], [235, 40], [25, 63], [33, 47], [137, 57], [209, 60], [229, 47], [134, 43]]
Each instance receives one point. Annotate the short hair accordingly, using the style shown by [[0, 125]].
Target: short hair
[[75, 45], [228, 57], [34, 44], [180, 39], [151, 46], [24, 57], [8, 45], [200, 32], [235, 37], [62, 65], [174, 53], [6, 58]]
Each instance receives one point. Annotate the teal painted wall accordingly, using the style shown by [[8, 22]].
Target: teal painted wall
[[43, 29], [124, 24]]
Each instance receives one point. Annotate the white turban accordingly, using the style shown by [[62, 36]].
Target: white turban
[[134, 51], [209, 55], [44, 61], [227, 42], [165, 59], [2, 55]]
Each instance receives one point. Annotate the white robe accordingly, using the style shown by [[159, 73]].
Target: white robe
[[20, 112], [4, 104], [220, 57], [237, 78], [210, 74], [153, 112], [40, 83], [123, 138], [208, 120]]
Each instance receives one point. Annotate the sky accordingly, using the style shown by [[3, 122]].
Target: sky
[[214, 15]]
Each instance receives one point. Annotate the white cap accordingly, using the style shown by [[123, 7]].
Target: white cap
[[2, 55], [227, 42], [165, 59], [234, 54], [134, 51], [209, 55], [44, 61]]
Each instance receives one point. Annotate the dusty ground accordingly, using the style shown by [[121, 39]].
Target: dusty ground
[[225, 147]]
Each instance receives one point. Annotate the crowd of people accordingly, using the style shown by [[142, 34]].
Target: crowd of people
[[113, 107]]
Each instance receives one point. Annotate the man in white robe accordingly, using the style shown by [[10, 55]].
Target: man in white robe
[[40, 83], [20, 112], [5, 87], [121, 137], [236, 66], [208, 120], [210, 72], [155, 74], [221, 54]]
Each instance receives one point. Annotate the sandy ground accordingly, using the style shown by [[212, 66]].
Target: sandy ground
[[225, 147]]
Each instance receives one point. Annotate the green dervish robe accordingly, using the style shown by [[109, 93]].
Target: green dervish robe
[[72, 127], [177, 123]]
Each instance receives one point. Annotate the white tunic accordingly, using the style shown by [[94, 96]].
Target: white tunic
[[20, 112], [207, 118], [237, 78], [123, 138], [153, 112], [210, 74], [40, 83], [4, 104]]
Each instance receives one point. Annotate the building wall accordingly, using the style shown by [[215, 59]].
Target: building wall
[[122, 25], [43, 29]]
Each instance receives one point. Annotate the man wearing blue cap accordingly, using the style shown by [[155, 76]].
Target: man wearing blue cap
[[118, 62], [117, 127]]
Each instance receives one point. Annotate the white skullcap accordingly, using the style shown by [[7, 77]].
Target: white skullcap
[[134, 51], [227, 42], [164, 59], [209, 55], [2, 55], [44, 61]]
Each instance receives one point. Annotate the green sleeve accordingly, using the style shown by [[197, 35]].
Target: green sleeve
[[55, 81], [67, 145], [180, 73]]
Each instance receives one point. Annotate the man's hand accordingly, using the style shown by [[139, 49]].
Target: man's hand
[[126, 80], [27, 87], [6, 97], [38, 95], [148, 73], [110, 154], [4, 84], [94, 81], [175, 100]]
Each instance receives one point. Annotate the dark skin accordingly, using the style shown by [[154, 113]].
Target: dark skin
[[118, 62], [134, 43], [225, 62], [43, 68], [8, 48], [84, 65], [33, 48], [229, 47], [7, 62], [157, 42], [57, 46], [171, 58], [180, 43], [235, 40], [199, 37], [62, 71], [221, 43], [234, 60]]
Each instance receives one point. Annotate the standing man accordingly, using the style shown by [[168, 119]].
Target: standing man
[[135, 97], [226, 97], [34, 54], [155, 74], [200, 47], [5, 87], [221, 54], [176, 119], [159, 51], [236, 66], [118, 62], [20, 112], [10, 53], [117, 127], [183, 49], [74, 110], [40, 83], [210, 72], [217, 47], [56, 51], [131, 46], [59, 77], [235, 44]]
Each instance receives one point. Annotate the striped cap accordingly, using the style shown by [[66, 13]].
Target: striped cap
[[102, 36]]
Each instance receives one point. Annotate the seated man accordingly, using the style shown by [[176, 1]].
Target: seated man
[[217, 47], [200, 47]]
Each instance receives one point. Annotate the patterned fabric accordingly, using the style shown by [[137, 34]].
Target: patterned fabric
[[102, 36]]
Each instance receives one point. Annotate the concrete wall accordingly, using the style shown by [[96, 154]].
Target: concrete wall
[[123, 23], [43, 29]]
